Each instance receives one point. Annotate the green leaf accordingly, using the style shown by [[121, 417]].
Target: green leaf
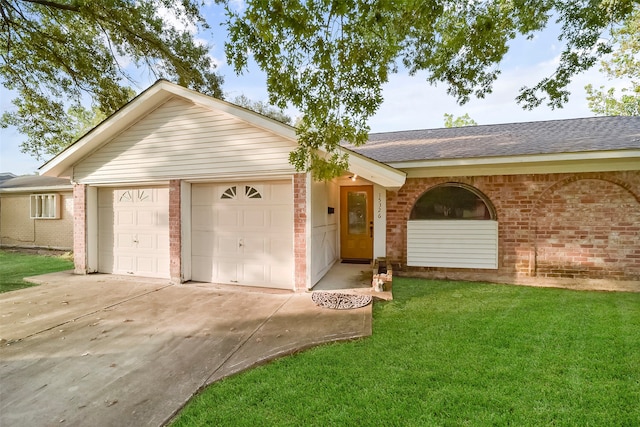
[[55, 54], [330, 59]]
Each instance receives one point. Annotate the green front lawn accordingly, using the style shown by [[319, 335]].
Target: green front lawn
[[453, 354], [14, 266]]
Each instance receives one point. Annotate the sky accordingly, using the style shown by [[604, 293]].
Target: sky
[[409, 101]]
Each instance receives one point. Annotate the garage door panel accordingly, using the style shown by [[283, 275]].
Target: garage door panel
[[133, 235], [146, 219], [255, 218], [280, 248], [281, 218], [226, 270], [124, 241], [145, 264], [202, 243], [162, 241], [206, 215], [255, 273], [202, 266], [252, 226], [125, 264], [228, 218], [125, 218], [149, 265], [226, 246], [280, 193], [255, 247], [147, 241], [202, 195]]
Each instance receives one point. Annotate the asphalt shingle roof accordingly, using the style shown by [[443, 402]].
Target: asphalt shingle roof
[[34, 181], [545, 137]]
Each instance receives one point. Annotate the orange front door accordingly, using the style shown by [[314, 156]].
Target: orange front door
[[356, 222]]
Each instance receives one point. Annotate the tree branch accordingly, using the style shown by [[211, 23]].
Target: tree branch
[[54, 5]]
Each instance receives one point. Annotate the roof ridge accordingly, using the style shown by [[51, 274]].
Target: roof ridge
[[535, 122]]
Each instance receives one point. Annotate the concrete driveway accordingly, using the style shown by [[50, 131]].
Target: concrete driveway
[[105, 350]]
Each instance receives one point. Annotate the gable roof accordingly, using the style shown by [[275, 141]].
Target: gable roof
[[162, 91], [140, 106], [530, 138]]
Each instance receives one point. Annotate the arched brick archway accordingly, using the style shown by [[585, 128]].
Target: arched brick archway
[[587, 227]]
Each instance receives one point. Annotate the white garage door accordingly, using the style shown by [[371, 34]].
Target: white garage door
[[242, 233], [133, 231]]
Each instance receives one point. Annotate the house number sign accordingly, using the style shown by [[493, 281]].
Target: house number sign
[[379, 205]]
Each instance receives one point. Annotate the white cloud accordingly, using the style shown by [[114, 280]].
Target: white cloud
[[174, 17], [238, 5]]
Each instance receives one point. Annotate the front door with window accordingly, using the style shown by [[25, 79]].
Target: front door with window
[[356, 223]]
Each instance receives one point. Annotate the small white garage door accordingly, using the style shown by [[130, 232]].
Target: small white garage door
[[133, 231], [242, 233]]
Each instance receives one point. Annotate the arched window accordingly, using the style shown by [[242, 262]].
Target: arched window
[[452, 201], [453, 225]]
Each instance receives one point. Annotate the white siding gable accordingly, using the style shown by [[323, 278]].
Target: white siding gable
[[183, 140], [452, 243]]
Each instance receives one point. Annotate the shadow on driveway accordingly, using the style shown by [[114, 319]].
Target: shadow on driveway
[[113, 351]]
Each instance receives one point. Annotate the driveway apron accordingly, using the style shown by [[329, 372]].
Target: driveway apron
[[105, 350]]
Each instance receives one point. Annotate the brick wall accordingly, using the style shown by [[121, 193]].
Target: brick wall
[[18, 229], [79, 228], [572, 226], [175, 232], [300, 230]]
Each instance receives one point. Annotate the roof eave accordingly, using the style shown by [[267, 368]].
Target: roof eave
[[593, 161], [38, 189], [378, 173]]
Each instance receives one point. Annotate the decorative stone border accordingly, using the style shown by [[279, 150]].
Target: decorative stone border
[[339, 301]]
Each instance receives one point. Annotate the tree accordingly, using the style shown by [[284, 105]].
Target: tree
[[56, 53], [262, 108], [605, 102], [329, 59], [625, 62], [466, 120]]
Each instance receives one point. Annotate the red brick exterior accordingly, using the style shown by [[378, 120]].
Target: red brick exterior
[[175, 232], [79, 228], [551, 226], [300, 230]]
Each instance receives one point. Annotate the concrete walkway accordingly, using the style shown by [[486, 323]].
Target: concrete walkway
[[105, 350]]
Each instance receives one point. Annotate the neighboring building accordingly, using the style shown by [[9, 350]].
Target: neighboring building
[[5, 176], [36, 212], [187, 187]]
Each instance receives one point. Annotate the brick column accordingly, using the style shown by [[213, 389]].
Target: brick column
[[300, 230], [80, 228], [175, 232]]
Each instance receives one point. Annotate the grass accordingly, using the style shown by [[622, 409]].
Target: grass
[[14, 266], [453, 354]]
